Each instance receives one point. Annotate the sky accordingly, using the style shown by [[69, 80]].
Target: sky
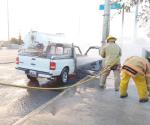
[[51, 16], [80, 20]]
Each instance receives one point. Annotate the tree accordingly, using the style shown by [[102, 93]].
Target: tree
[[20, 41], [16, 41], [144, 14]]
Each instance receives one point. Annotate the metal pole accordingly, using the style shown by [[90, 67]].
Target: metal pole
[[8, 21], [136, 16], [122, 27], [106, 21]]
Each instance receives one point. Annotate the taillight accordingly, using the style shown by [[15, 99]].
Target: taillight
[[17, 60], [52, 65]]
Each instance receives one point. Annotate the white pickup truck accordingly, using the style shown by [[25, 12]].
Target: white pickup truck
[[55, 60]]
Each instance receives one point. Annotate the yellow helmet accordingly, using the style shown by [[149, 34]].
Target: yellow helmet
[[111, 38]]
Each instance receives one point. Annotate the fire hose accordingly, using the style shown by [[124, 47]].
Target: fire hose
[[82, 81], [7, 62]]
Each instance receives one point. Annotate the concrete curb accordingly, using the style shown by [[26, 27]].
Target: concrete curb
[[19, 122]]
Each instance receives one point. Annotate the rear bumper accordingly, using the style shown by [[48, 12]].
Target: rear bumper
[[39, 73]]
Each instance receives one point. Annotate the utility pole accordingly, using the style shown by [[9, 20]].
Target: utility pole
[[106, 21], [122, 27], [8, 21], [136, 16]]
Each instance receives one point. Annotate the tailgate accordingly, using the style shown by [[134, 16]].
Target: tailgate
[[34, 63]]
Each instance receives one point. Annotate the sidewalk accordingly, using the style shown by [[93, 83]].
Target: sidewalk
[[89, 105]]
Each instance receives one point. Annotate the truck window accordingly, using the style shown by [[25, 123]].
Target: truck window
[[35, 49], [59, 50], [93, 52], [78, 52], [68, 51], [52, 50]]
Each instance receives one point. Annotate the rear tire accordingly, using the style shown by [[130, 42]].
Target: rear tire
[[31, 78], [33, 81], [64, 76]]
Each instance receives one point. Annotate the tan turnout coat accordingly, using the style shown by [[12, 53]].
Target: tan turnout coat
[[140, 65], [111, 51]]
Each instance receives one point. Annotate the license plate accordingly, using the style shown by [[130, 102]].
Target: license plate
[[32, 73]]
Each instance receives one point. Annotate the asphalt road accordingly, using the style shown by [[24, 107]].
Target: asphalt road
[[15, 103]]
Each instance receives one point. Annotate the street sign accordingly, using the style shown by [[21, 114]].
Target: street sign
[[113, 6], [101, 7]]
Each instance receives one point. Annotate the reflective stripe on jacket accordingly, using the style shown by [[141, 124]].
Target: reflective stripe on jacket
[[140, 65]]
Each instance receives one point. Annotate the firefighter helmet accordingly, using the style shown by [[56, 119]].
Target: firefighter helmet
[[111, 38]]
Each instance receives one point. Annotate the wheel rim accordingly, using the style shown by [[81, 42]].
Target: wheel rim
[[65, 77]]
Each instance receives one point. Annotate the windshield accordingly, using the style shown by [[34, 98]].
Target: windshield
[[46, 51]]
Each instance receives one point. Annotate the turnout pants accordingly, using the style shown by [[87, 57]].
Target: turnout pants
[[116, 72], [140, 83]]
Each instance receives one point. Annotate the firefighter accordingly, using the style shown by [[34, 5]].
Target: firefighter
[[110, 52], [138, 69]]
